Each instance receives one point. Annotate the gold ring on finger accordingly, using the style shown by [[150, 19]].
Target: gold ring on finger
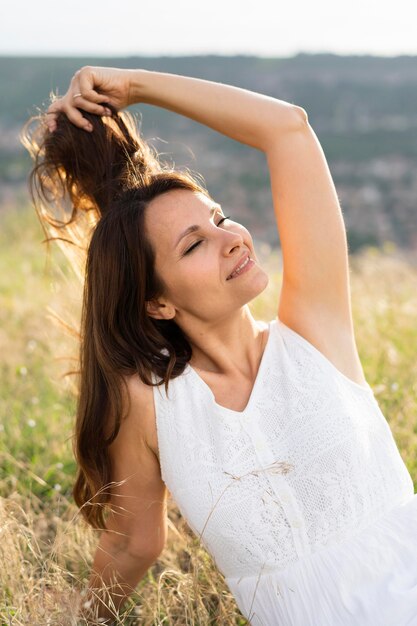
[[77, 95]]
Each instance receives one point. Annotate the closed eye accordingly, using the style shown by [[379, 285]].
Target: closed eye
[[192, 247], [198, 242], [222, 220]]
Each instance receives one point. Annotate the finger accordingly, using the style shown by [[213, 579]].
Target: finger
[[82, 86], [56, 106], [86, 88], [59, 106], [82, 103], [50, 121], [75, 116], [52, 114]]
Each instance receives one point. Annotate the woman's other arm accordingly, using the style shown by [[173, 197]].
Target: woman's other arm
[[136, 530]]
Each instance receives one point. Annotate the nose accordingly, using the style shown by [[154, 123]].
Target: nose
[[232, 241]]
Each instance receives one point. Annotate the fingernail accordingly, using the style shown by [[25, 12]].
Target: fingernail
[[107, 112]]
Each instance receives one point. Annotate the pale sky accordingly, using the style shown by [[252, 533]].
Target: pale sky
[[189, 27]]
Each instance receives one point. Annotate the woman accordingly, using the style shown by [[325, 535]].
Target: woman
[[267, 435]]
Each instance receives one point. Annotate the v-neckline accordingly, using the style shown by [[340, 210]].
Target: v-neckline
[[250, 401]]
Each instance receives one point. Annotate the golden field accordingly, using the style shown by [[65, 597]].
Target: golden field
[[45, 548]]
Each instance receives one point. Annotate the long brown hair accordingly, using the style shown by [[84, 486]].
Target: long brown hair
[[91, 191]]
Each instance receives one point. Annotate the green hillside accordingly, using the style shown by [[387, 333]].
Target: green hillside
[[362, 108]]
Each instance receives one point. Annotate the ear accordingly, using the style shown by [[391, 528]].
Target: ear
[[159, 310]]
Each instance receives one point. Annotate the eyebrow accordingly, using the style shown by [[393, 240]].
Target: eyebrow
[[194, 227]]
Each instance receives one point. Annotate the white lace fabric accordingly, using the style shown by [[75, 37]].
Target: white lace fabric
[[278, 487]]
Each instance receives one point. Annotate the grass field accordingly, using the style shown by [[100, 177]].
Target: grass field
[[45, 548]]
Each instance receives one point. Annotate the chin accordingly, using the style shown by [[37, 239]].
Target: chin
[[264, 282], [258, 286]]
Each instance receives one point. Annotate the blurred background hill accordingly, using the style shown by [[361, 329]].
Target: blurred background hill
[[362, 108]]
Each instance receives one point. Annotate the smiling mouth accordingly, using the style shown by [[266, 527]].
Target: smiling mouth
[[240, 269]]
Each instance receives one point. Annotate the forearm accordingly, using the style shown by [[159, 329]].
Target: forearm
[[114, 575], [245, 116]]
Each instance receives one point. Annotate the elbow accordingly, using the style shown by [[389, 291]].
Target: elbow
[[296, 119], [146, 556], [147, 552], [301, 117], [288, 118]]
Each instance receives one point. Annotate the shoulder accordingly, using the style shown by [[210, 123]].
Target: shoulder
[[334, 340], [141, 415], [137, 490]]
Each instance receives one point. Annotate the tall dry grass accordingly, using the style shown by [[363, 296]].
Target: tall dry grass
[[45, 548]]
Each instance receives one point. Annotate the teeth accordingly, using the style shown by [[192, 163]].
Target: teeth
[[237, 270], [243, 264]]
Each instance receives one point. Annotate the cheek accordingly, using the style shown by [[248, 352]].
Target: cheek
[[197, 278], [183, 281], [200, 272]]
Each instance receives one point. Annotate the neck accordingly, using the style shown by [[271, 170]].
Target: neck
[[232, 347]]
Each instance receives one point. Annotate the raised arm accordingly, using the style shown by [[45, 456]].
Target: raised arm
[[315, 295], [243, 115], [315, 290]]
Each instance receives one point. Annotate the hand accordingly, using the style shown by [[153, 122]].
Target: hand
[[91, 88]]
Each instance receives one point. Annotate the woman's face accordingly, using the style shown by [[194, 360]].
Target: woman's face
[[195, 264]]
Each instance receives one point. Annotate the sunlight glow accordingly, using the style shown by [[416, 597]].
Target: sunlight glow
[[264, 28]]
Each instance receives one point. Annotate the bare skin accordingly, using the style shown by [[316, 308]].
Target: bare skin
[[209, 308], [227, 342]]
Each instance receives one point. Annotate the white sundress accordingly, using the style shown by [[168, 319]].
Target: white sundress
[[302, 499]]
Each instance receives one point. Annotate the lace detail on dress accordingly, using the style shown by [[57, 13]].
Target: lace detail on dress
[[310, 461]]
